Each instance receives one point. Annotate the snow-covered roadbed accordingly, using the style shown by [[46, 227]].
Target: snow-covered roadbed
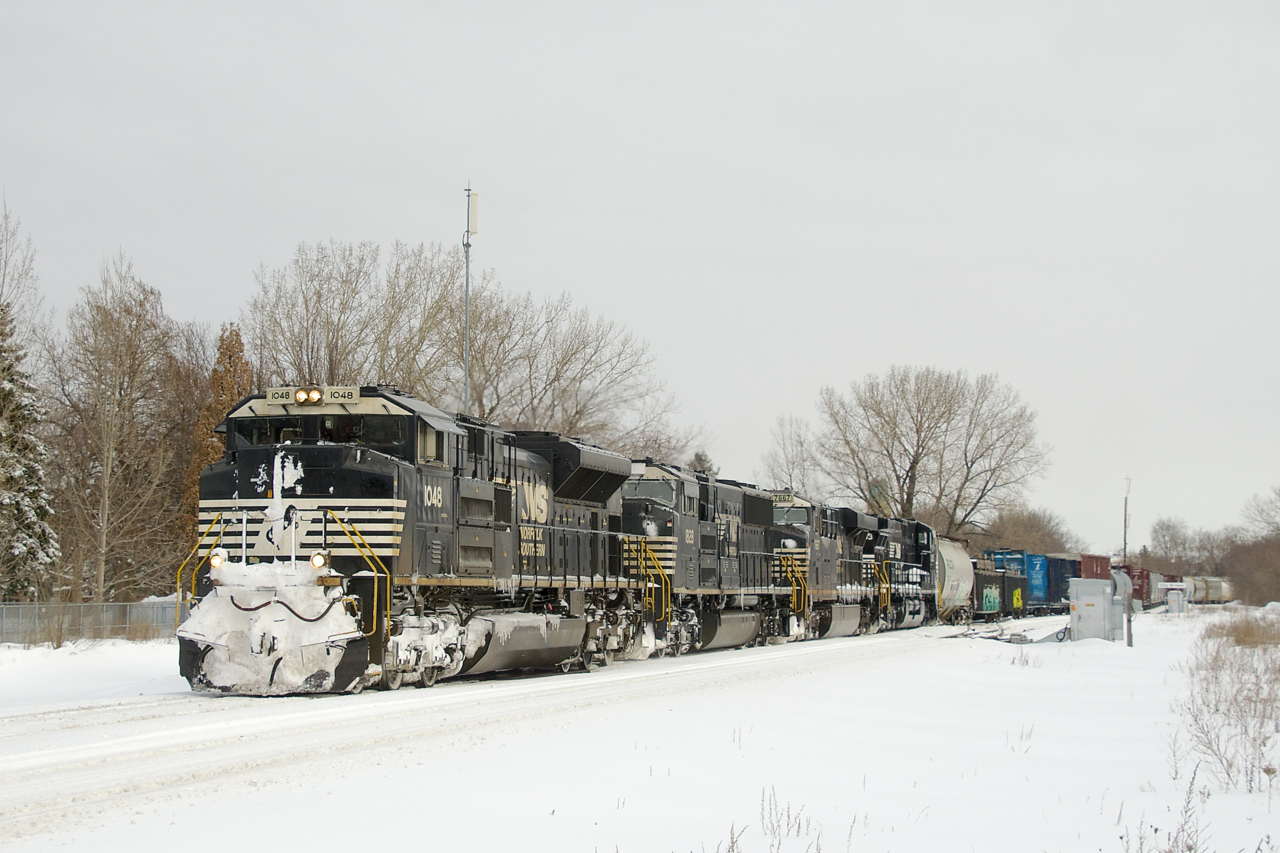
[[910, 740]]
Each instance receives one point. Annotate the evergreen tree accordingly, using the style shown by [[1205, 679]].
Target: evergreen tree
[[231, 381], [701, 461], [28, 545]]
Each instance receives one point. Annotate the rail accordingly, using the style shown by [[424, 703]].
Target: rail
[[196, 570], [364, 549]]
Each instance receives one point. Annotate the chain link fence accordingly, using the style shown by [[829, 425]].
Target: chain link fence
[[56, 623]]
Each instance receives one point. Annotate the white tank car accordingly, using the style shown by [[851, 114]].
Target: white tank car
[[1208, 590], [955, 581]]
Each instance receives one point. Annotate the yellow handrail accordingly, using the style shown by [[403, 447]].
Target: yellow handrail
[[371, 553], [885, 592], [785, 561], [664, 582], [799, 585], [662, 607], [804, 588], [177, 596]]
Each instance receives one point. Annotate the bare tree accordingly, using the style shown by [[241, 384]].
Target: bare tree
[[504, 338], [19, 284], [18, 279], [1254, 569], [1171, 541], [1036, 530], [554, 367], [648, 432], [336, 315], [1262, 513], [1178, 549], [584, 376], [309, 322], [930, 444], [410, 322], [118, 454], [789, 462]]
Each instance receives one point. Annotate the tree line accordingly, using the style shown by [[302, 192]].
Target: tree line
[[107, 421], [954, 451], [1248, 553], [959, 453]]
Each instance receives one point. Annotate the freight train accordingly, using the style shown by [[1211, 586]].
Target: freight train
[[1047, 576], [356, 536]]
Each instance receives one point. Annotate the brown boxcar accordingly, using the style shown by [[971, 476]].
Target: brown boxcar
[[1095, 566], [1141, 583]]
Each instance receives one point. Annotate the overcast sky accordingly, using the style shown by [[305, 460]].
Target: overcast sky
[[1082, 197]]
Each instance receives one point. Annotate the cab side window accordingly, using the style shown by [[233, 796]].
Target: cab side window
[[430, 444]]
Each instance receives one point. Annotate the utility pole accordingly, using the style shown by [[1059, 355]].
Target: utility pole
[[473, 216], [1128, 484], [1128, 599]]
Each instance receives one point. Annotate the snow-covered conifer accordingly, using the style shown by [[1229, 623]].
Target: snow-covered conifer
[[28, 545]]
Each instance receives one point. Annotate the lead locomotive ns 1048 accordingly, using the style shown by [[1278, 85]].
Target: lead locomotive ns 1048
[[356, 536]]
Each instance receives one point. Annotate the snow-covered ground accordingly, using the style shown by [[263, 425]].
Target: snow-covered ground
[[916, 740]]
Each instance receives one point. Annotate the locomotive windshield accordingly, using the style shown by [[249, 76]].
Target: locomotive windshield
[[660, 491], [791, 515], [384, 433]]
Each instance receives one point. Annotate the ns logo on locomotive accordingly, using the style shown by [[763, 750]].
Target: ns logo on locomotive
[[356, 536]]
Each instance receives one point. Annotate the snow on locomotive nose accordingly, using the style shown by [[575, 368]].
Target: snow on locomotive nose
[[271, 628]]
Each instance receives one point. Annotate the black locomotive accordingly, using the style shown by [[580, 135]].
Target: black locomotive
[[356, 536]]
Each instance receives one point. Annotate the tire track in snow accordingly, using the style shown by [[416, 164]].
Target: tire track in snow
[[62, 766]]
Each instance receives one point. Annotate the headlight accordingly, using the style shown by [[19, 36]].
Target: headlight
[[320, 559], [300, 396], [217, 557], [314, 395]]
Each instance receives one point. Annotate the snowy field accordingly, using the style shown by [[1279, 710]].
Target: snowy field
[[917, 740]]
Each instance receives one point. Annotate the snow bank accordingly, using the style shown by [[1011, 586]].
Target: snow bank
[[87, 671], [909, 741]]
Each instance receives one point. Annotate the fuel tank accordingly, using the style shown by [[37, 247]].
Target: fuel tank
[[497, 641], [841, 620], [727, 629]]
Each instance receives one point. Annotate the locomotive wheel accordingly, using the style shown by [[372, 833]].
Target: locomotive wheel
[[429, 676], [566, 667], [390, 679], [606, 657]]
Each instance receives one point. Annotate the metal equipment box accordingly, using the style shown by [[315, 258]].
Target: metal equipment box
[[1091, 609]]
